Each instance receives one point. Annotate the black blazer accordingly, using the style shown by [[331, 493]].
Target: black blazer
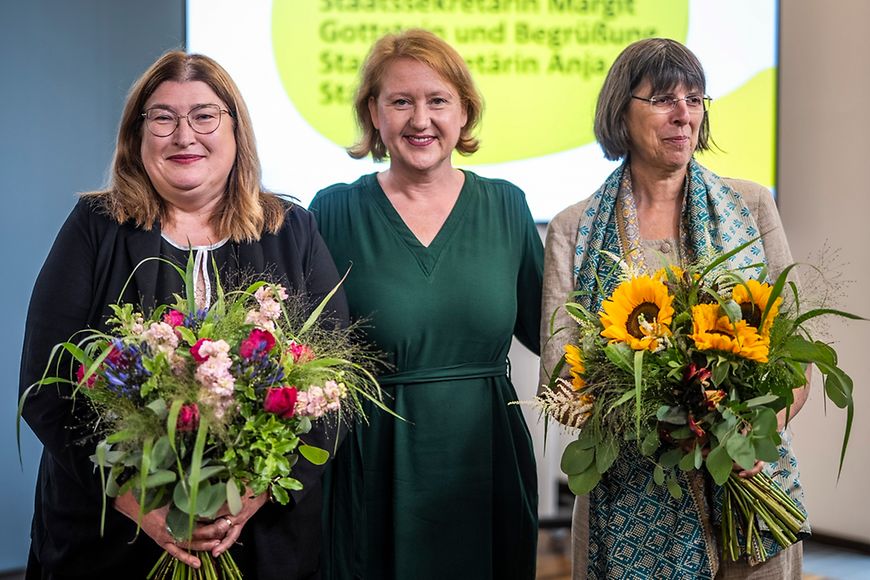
[[87, 268]]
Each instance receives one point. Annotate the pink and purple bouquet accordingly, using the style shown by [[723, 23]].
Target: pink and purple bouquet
[[196, 407]]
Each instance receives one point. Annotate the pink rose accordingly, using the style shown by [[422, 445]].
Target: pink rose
[[302, 353], [188, 418], [281, 401], [80, 375], [173, 318], [194, 350], [259, 340]]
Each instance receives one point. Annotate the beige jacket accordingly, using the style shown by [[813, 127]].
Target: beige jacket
[[559, 283]]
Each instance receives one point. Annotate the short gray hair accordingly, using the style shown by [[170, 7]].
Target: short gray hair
[[665, 63]]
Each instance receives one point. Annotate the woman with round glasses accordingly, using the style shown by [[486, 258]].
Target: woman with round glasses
[[186, 176], [659, 207]]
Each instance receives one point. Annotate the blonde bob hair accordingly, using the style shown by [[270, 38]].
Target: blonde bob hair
[[427, 48], [666, 64], [245, 211]]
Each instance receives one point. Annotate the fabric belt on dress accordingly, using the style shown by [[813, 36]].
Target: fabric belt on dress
[[446, 373]]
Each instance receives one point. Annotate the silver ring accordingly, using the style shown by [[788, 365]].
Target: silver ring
[[229, 522]]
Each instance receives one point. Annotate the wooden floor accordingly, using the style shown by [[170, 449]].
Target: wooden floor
[[821, 562]]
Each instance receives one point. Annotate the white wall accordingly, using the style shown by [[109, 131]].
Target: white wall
[[824, 140]]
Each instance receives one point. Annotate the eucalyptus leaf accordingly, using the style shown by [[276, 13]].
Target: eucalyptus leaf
[[721, 430], [687, 462], [160, 478], [162, 455], [583, 483], [211, 498], [180, 497], [765, 449], [605, 454], [177, 522], [675, 415], [304, 425], [210, 471], [764, 424], [719, 464], [682, 433], [741, 451], [698, 457], [659, 474], [588, 438], [674, 487], [650, 443], [576, 458], [670, 458], [234, 497]]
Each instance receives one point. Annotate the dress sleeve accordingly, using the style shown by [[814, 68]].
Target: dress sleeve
[[558, 285], [529, 281], [60, 306]]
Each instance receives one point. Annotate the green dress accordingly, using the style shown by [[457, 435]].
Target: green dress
[[451, 491]]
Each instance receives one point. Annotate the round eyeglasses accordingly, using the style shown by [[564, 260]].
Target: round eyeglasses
[[203, 119], [667, 103]]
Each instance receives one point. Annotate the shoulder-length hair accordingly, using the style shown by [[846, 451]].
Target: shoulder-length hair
[[427, 48], [665, 64], [245, 211]]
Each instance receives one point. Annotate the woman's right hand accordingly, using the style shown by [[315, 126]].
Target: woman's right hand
[[153, 523]]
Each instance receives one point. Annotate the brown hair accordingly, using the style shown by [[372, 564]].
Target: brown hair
[[665, 64], [425, 47], [245, 210]]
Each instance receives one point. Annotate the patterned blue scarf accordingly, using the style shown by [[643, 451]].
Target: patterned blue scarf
[[715, 219]]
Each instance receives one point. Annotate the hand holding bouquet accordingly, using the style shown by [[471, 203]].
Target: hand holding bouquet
[[198, 408], [692, 367]]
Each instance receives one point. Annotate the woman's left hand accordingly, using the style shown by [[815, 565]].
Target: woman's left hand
[[749, 473], [231, 525]]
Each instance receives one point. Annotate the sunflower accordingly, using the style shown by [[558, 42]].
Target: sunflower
[[752, 299], [662, 274], [638, 313], [575, 361], [713, 331]]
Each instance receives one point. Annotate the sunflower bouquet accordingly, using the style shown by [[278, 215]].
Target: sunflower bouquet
[[194, 408], [692, 368]]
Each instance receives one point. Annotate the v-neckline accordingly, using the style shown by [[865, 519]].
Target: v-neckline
[[426, 256]]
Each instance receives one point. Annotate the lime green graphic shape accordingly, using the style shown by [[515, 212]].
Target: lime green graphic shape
[[539, 64], [740, 123]]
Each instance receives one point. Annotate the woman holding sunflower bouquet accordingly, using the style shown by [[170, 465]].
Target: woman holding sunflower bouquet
[[660, 207]]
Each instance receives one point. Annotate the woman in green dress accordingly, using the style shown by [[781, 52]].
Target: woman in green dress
[[447, 266]]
